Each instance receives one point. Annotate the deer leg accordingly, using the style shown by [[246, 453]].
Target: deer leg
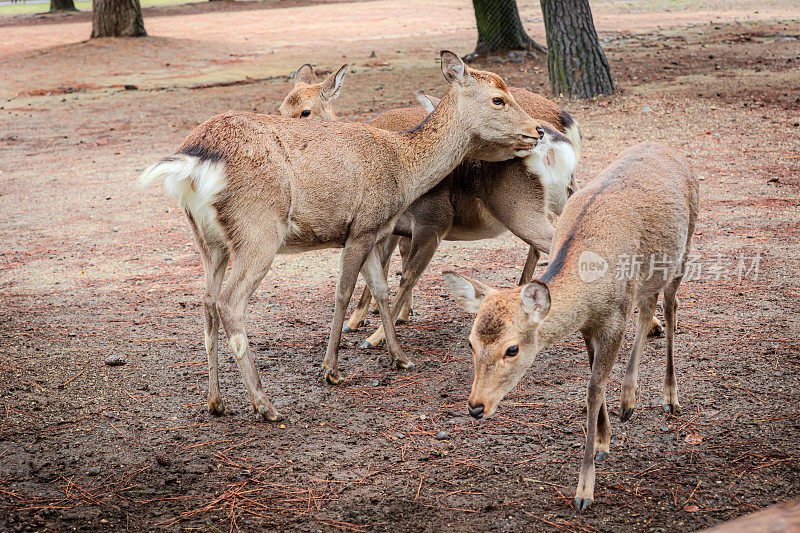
[[385, 250], [359, 316], [373, 274], [407, 309], [215, 260], [250, 267], [354, 254], [602, 441], [530, 265], [597, 428], [532, 227], [214, 274], [629, 383], [424, 244], [670, 404]]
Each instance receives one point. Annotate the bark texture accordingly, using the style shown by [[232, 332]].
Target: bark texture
[[576, 63], [62, 5], [500, 28], [117, 18]]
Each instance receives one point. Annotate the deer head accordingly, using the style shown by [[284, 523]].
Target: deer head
[[312, 100], [503, 337], [486, 107]]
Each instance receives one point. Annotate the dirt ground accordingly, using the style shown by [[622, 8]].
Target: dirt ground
[[92, 266]]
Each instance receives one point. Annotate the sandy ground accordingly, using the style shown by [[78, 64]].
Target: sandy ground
[[92, 267]]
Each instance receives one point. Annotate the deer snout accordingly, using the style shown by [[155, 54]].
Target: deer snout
[[529, 140], [476, 411]]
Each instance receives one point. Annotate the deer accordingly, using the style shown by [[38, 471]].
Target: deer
[[255, 185], [478, 200], [311, 99], [644, 205]]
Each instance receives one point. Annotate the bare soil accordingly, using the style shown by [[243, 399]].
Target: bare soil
[[93, 267]]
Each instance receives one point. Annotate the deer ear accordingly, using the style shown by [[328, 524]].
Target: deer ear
[[332, 84], [454, 70], [468, 292], [305, 74], [429, 103], [535, 301]]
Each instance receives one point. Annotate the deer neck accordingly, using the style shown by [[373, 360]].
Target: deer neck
[[568, 309], [433, 149]]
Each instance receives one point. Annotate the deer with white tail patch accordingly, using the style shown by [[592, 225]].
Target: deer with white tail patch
[[253, 186], [644, 205], [478, 200]]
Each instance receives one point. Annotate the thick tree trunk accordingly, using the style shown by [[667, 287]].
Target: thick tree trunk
[[62, 5], [117, 18], [576, 63], [500, 28]]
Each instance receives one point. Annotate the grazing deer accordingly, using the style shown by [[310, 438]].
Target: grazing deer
[[253, 186], [643, 207], [478, 200]]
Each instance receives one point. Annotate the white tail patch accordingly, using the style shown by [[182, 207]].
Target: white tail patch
[[553, 161], [574, 135], [194, 183]]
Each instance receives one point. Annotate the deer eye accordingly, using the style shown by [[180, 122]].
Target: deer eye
[[498, 101], [305, 113], [512, 351]]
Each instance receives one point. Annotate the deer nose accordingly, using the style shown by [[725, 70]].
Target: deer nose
[[475, 412]]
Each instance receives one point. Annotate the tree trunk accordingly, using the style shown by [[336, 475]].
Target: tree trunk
[[117, 18], [576, 63], [500, 28], [62, 5]]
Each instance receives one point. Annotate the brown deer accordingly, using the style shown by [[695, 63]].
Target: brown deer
[[310, 99], [642, 207], [780, 518], [256, 185], [478, 200]]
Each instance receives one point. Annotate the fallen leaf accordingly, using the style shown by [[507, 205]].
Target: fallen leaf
[[693, 438]]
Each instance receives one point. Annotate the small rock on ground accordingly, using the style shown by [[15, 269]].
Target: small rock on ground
[[115, 359]]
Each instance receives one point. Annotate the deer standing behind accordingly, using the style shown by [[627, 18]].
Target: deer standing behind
[[256, 185], [644, 205], [478, 200]]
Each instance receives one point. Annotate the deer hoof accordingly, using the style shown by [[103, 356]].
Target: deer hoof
[[671, 409], [348, 329], [581, 504], [601, 456], [400, 321], [626, 414], [333, 378], [404, 365], [216, 407], [366, 344], [656, 329], [268, 414]]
